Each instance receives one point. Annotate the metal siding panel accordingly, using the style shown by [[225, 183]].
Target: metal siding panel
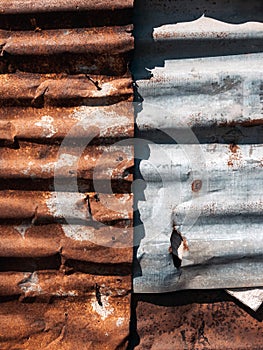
[[207, 187], [66, 249]]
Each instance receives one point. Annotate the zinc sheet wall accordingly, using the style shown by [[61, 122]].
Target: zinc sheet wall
[[198, 71]]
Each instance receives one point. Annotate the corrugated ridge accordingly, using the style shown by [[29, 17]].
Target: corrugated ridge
[[29, 6]]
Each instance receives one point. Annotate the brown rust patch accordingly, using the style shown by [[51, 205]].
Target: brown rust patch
[[233, 148], [197, 185], [185, 244]]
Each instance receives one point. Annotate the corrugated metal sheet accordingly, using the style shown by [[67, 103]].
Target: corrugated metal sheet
[[199, 82], [65, 93], [206, 188]]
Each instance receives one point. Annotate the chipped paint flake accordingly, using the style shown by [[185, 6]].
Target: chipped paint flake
[[68, 205], [105, 310], [120, 321], [28, 170], [30, 283], [46, 123], [67, 159], [23, 228]]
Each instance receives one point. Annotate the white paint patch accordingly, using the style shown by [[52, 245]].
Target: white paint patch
[[105, 310], [30, 283], [46, 123], [70, 293], [47, 167], [121, 291], [94, 116], [253, 298], [80, 233], [119, 321], [67, 159], [68, 205], [23, 228], [28, 170], [106, 89]]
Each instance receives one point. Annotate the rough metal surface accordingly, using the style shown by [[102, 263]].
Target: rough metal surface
[[215, 101], [50, 124], [194, 321], [65, 197], [209, 192], [206, 188], [18, 6]]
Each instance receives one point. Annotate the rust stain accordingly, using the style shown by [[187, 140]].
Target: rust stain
[[196, 185], [245, 123], [235, 157], [233, 148], [195, 321], [185, 244]]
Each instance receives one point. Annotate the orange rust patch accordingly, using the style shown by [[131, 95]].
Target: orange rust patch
[[196, 185], [233, 148], [185, 244]]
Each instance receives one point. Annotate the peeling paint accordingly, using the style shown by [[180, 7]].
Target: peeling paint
[[67, 160], [46, 123], [23, 228], [30, 283], [120, 321], [68, 205], [105, 310], [70, 293]]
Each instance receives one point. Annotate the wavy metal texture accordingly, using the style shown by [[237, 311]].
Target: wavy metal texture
[[64, 76], [199, 73]]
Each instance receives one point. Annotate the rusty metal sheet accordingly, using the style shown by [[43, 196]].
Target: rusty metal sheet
[[217, 212], [29, 6], [113, 41], [38, 244], [53, 124], [40, 206], [196, 320], [66, 222], [35, 89], [38, 161], [65, 306]]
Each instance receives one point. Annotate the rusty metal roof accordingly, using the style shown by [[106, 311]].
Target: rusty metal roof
[[65, 93]]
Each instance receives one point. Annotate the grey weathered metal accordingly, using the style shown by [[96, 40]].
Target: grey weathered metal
[[206, 188]]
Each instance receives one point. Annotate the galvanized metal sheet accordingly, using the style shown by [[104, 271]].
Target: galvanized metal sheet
[[206, 189], [208, 28]]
